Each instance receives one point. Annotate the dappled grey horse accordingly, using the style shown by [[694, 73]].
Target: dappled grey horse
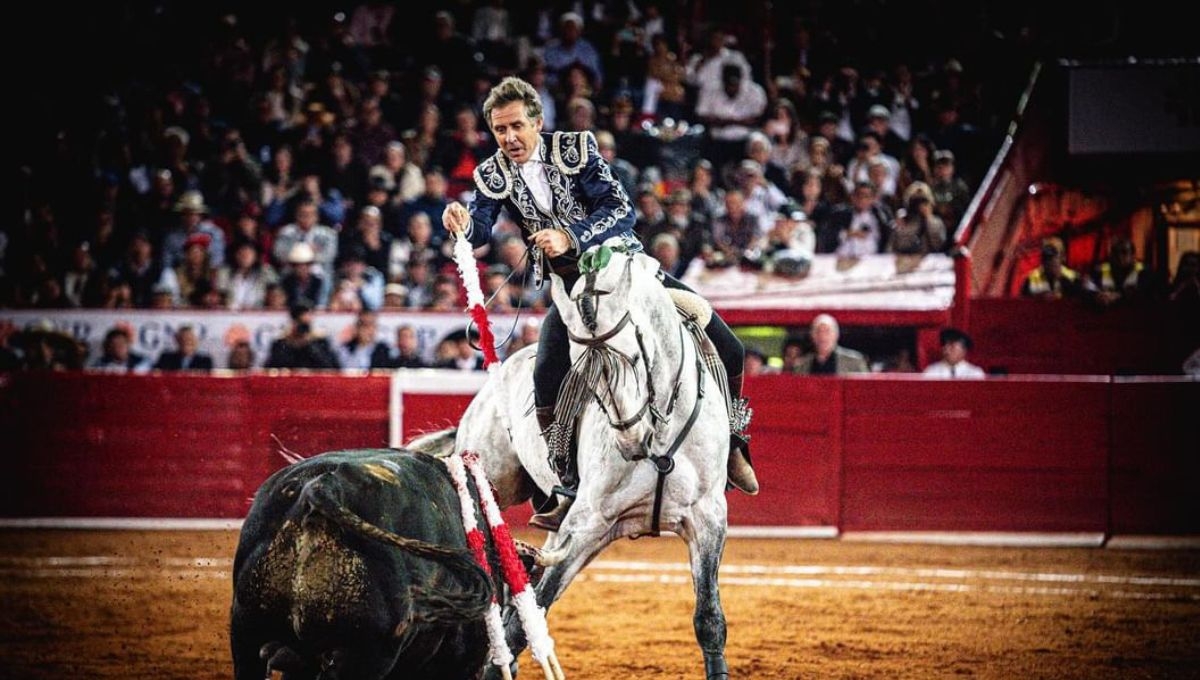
[[650, 422]]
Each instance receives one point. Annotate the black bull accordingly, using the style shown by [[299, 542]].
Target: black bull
[[353, 564]]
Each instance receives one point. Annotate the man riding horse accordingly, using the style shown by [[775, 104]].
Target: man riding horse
[[565, 195]]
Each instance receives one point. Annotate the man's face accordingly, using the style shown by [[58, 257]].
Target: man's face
[[188, 342], [954, 352], [365, 330], [824, 338], [406, 340], [306, 216], [516, 134], [1123, 255], [862, 198]]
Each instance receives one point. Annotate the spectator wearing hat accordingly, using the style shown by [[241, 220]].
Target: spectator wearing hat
[[841, 150], [193, 222], [195, 272], [918, 230], [828, 357], [879, 122], [570, 47], [869, 151], [395, 297], [116, 355], [82, 282], [244, 282], [1052, 280], [954, 364], [186, 356], [321, 240], [302, 280], [950, 192], [695, 239], [791, 242], [301, 347]]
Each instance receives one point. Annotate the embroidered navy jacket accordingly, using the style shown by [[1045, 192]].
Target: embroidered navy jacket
[[588, 202]]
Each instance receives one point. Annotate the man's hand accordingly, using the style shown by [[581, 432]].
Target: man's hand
[[552, 242], [456, 218]]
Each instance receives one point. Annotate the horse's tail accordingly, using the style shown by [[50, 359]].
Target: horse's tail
[[430, 605], [438, 444]]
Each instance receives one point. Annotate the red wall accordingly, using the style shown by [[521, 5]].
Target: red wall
[[1078, 338], [872, 453]]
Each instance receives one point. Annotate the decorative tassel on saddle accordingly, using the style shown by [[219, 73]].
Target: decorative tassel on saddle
[[739, 409], [595, 364]]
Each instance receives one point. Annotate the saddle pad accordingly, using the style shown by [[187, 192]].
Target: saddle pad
[[692, 304]]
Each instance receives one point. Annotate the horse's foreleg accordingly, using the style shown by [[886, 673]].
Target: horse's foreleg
[[706, 541]]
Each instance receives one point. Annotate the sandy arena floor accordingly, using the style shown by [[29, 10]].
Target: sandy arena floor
[[131, 604]]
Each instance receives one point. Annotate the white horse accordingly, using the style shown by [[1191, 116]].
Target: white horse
[[647, 403]]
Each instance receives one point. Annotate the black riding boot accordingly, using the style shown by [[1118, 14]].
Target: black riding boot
[[741, 474], [552, 519]]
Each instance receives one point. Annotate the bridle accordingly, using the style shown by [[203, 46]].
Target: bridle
[[597, 350]]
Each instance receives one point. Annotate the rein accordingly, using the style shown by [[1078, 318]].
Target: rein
[[600, 360]]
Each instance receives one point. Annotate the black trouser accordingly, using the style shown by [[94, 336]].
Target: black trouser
[[554, 353]]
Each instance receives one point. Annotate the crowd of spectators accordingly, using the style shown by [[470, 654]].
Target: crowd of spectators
[[257, 160]]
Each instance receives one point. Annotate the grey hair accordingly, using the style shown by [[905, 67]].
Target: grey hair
[[513, 89], [828, 320]]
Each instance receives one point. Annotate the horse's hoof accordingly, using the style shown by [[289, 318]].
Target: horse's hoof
[[715, 667]]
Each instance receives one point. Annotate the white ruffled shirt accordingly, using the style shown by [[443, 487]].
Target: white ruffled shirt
[[534, 174]]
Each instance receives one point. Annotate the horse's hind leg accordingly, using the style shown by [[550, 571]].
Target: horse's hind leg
[[705, 536]]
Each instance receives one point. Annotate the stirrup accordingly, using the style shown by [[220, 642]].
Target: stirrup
[[740, 474], [553, 519]]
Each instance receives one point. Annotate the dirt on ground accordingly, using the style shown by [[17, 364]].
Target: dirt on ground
[[136, 604]]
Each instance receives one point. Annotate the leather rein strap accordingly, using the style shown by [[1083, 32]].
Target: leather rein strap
[[665, 463]]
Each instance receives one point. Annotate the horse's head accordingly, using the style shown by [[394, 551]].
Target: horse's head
[[608, 322]]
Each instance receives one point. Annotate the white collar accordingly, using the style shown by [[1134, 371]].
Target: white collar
[[539, 155]]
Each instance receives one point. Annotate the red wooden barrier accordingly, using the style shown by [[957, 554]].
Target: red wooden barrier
[[872, 453], [170, 446], [1155, 456], [998, 455]]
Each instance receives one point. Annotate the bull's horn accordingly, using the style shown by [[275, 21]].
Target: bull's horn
[[549, 558]]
